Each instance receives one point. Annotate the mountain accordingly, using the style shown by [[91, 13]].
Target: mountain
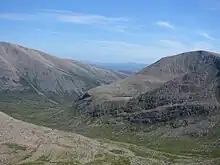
[[181, 90], [153, 76], [173, 102], [22, 69], [129, 67], [147, 79]]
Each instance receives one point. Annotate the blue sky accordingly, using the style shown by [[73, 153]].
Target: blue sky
[[112, 31]]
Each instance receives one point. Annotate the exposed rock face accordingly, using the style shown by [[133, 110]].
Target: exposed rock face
[[22, 68], [199, 84], [182, 86]]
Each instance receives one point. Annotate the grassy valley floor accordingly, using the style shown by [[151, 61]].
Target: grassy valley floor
[[142, 141]]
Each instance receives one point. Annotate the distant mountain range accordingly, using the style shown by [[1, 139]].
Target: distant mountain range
[[129, 67]]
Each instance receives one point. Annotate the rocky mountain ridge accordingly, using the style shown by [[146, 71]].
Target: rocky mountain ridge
[[152, 76], [184, 87]]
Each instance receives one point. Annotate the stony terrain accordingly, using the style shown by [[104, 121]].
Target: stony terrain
[[23, 68], [181, 91], [192, 95], [27, 144], [24, 143]]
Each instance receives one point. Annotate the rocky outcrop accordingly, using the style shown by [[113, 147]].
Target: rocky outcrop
[[170, 113]]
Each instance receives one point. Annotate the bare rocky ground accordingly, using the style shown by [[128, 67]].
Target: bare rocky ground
[[24, 143], [27, 144]]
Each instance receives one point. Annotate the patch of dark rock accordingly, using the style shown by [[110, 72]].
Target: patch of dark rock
[[167, 114], [86, 95], [179, 123], [115, 151]]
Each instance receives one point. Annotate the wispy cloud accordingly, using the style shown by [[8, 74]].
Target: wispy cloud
[[84, 18], [46, 31], [143, 49], [12, 16], [165, 24], [22, 16], [117, 51], [189, 46], [173, 43], [119, 24], [202, 45], [214, 5], [113, 51], [206, 35]]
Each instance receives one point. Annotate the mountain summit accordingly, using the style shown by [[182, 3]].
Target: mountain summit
[[181, 90], [155, 75]]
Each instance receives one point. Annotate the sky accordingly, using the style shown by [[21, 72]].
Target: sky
[[140, 31]]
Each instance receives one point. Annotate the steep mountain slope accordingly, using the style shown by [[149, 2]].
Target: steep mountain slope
[[197, 81], [22, 68], [181, 90], [150, 78]]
